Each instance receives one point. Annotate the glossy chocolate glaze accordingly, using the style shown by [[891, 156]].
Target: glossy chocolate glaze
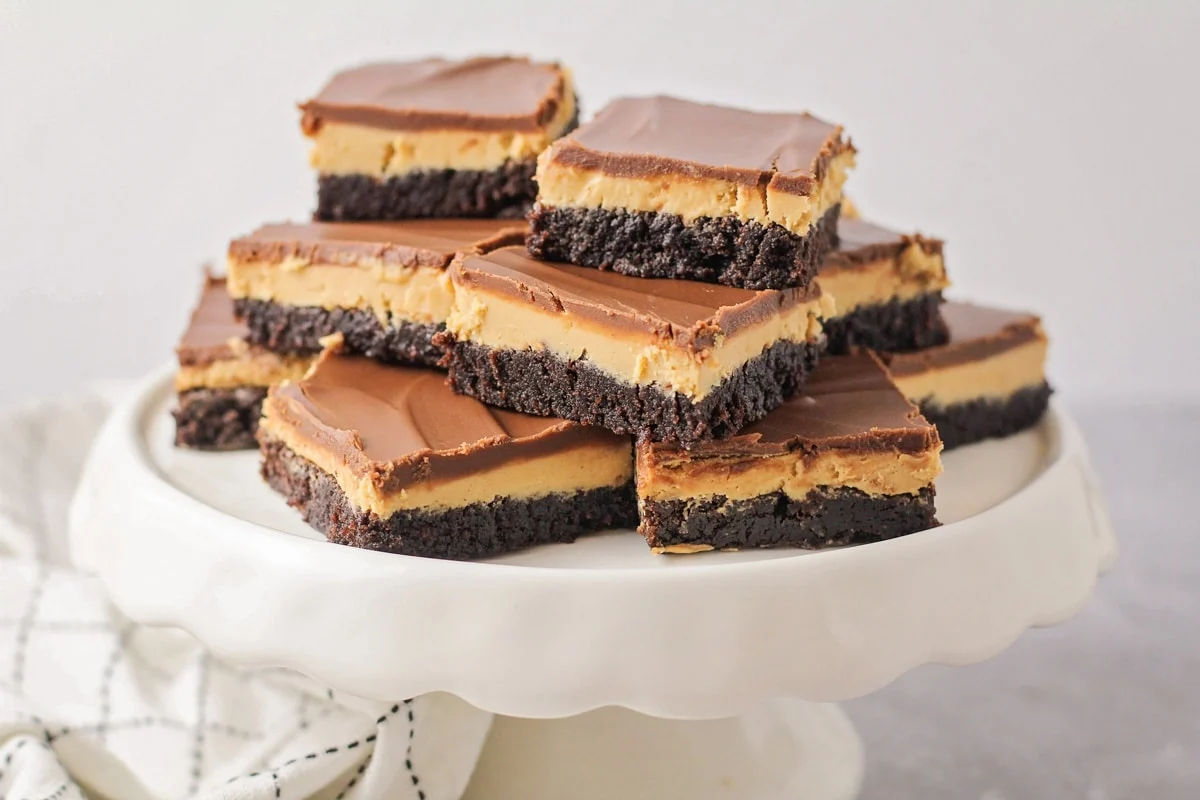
[[211, 327], [412, 243], [976, 332], [398, 426], [861, 242], [479, 94], [848, 403], [639, 136]]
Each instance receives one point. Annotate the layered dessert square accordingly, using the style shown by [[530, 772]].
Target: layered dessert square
[[988, 381], [849, 461], [659, 359], [658, 187], [389, 458], [382, 286], [435, 138], [222, 379], [887, 287]]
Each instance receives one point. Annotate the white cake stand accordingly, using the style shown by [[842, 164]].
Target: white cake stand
[[620, 673]]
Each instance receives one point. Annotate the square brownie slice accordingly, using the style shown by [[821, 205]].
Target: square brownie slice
[[987, 381], [887, 287], [658, 187], [382, 286], [222, 378], [659, 359], [848, 461], [435, 138], [389, 458]]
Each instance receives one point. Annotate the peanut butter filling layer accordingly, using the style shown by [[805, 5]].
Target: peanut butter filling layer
[[883, 472], [246, 365], [692, 197], [634, 356], [994, 377], [916, 272], [341, 148], [391, 291]]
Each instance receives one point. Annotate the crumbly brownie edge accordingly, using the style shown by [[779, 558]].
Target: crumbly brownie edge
[[826, 517], [507, 191], [299, 329], [896, 326], [975, 420], [651, 244], [468, 532], [539, 382], [218, 419]]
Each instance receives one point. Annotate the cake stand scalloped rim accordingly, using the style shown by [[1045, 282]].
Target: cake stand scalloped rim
[[702, 640]]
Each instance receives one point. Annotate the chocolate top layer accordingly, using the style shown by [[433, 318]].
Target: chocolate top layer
[[864, 242], [640, 136], [848, 403], [976, 332], [212, 327], [411, 243], [479, 94], [688, 313], [398, 426]]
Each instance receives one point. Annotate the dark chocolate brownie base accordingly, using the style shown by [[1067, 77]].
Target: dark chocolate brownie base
[[649, 244], [475, 531], [299, 329], [539, 382], [218, 419], [894, 327], [824, 518], [504, 192], [976, 420]]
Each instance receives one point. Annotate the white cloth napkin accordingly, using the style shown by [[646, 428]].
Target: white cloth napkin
[[91, 702]]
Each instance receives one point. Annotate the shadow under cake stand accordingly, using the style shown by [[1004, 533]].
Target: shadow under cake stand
[[618, 673]]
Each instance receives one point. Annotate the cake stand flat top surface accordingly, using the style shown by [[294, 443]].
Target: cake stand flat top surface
[[199, 541]]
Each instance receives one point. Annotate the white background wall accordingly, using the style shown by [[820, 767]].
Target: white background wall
[[1055, 145]]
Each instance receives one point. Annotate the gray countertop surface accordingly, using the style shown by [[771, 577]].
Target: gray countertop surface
[[1105, 706]]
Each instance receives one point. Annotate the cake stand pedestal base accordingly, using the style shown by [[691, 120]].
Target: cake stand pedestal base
[[784, 749]]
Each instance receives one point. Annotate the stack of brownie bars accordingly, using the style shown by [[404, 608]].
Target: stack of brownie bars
[[689, 332]]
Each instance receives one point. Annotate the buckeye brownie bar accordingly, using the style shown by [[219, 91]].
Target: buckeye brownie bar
[[389, 458], [435, 138], [659, 359], [988, 381], [222, 379], [849, 461], [888, 289], [658, 187], [382, 286]]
